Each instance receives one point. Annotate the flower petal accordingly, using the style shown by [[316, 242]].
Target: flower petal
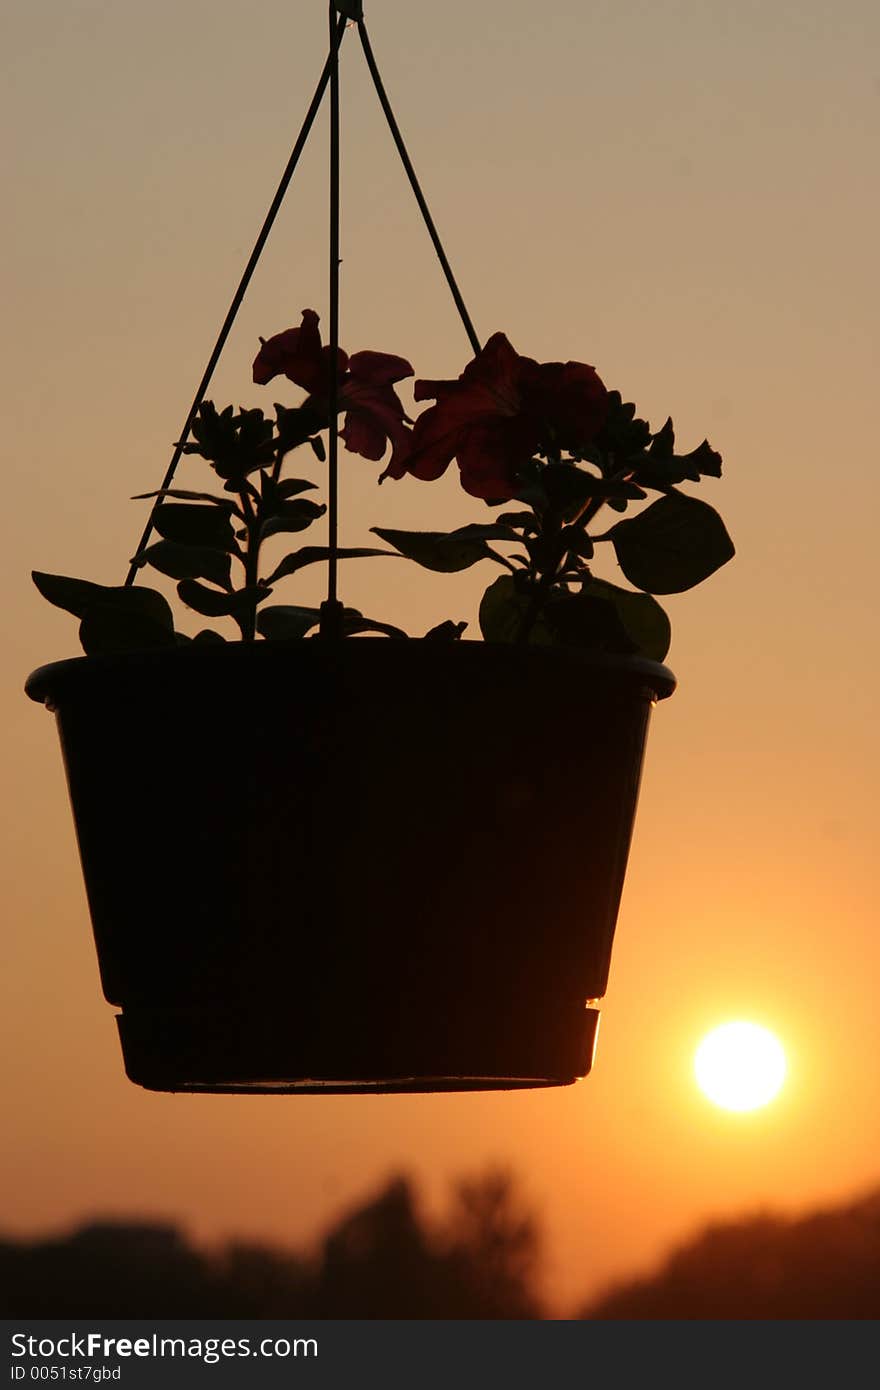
[[297, 354], [567, 401], [498, 368], [374, 414], [490, 455], [363, 435], [501, 411], [434, 442], [379, 368], [433, 390], [491, 377]]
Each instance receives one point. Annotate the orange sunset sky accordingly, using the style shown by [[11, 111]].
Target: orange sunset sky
[[684, 195]]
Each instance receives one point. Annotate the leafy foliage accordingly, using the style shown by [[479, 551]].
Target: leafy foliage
[[247, 451], [447, 552], [822, 1264], [548, 437], [672, 545], [613, 459], [382, 1258], [113, 618], [211, 544]]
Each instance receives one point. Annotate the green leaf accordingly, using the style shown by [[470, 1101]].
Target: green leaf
[[354, 622], [623, 433], [674, 544], [663, 442], [187, 496], [291, 486], [602, 617], [187, 524], [296, 426], [445, 632], [704, 461], [524, 521], [499, 530], [643, 621], [108, 630], [662, 470], [587, 621], [441, 551], [286, 622], [187, 562], [292, 516], [312, 554], [505, 609], [234, 445], [80, 596], [209, 602], [578, 543], [568, 487]]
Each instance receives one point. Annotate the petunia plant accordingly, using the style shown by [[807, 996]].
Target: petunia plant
[[213, 543], [550, 437], [544, 443]]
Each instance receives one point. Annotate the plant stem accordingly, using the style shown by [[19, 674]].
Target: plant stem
[[247, 620], [542, 575], [536, 605], [596, 503]]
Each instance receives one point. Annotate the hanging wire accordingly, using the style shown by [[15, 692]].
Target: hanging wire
[[341, 14], [414, 184], [331, 609], [339, 28]]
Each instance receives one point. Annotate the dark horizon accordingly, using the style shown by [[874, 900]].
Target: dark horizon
[[385, 1259]]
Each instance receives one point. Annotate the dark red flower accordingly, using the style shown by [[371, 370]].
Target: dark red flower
[[502, 410], [297, 354], [365, 388], [374, 414]]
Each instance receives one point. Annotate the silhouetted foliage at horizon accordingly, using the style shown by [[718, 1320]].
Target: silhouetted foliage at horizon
[[823, 1265], [384, 1259], [380, 1260]]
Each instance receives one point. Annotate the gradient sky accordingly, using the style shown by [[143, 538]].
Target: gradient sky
[[683, 195]]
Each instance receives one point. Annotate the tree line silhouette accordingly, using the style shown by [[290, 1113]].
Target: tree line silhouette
[[825, 1264], [383, 1259]]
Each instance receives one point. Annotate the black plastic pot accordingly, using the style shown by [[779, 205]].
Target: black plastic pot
[[372, 865]]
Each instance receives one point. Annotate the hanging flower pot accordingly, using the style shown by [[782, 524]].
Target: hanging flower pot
[[409, 879], [330, 856]]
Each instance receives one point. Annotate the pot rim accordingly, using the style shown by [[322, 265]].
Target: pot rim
[[49, 682]]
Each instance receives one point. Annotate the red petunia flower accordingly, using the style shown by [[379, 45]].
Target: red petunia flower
[[374, 414], [365, 391], [502, 410], [298, 355]]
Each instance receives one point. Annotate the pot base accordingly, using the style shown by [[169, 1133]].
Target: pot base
[[179, 1050]]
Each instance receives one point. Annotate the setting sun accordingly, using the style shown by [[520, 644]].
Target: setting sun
[[740, 1066]]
